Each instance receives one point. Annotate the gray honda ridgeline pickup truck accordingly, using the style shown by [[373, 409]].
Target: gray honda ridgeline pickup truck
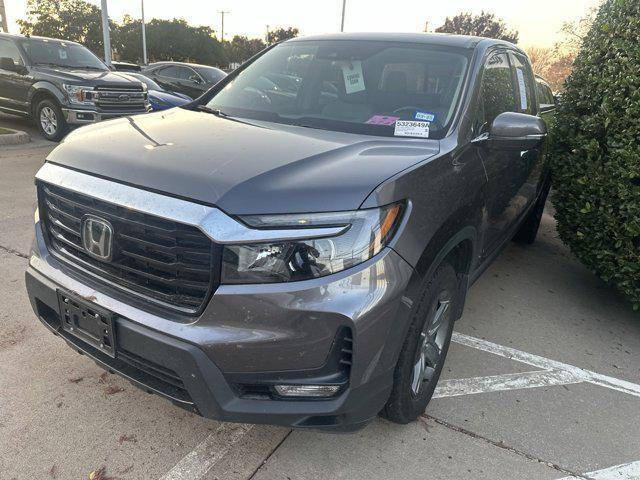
[[294, 256]]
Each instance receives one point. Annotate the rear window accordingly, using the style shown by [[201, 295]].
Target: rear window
[[368, 87]]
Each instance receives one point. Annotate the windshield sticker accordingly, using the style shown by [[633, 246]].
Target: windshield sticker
[[523, 89], [353, 77], [62, 54], [382, 120], [425, 116], [408, 128]]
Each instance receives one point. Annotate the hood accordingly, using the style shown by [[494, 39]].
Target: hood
[[89, 78], [241, 168], [171, 98]]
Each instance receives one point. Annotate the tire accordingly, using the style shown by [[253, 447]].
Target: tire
[[528, 231], [50, 120], [412, 391]]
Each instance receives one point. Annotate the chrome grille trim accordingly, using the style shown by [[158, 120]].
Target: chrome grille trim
[[213, 222], [160, 260]]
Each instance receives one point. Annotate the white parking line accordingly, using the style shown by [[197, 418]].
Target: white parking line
[[548, 364], [500, 383], [210, 451], [626, 471]]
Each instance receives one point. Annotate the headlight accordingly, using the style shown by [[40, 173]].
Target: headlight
[[81, 95], [368, 232]]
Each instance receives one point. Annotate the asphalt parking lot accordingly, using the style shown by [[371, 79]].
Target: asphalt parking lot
[[542, 382]]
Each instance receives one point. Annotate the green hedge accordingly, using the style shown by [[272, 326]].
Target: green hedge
[[596, 150]]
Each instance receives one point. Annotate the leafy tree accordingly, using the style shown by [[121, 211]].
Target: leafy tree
[[280, 34], [595, 152], [241, 48], [574, 32], [75, 20], [484, 25], [551, 64]]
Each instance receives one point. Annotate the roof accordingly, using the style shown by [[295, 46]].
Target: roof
[[440, 39], [196, 65], [34, 37]]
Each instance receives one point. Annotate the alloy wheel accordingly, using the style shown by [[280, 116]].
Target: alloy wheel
[[431, 344], [48, 120]]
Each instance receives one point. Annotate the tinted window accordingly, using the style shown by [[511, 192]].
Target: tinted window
[[171, 72], [9, 50], [69, 55], [498, 91], [211, 75], [351, 86], [543, 91], [185, 73], [524, 78]]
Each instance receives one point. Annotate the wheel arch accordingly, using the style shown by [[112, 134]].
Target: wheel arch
[[41, 90]]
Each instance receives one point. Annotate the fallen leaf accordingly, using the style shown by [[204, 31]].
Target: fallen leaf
[[112, 389], [127, 438], [76, 380]]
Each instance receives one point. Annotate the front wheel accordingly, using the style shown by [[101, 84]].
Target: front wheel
[[50, 120], [424, 349]]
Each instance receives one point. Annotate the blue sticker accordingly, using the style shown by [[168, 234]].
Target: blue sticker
[[425, 116]]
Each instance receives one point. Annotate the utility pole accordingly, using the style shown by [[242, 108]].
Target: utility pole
[[144, 36], [344, 8], [3, 18], [266, 38], [222, 13], [105, 33]]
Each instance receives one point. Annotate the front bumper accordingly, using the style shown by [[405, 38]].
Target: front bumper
[[83, 117], [251, 334]]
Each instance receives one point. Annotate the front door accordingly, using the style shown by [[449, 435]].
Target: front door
[[511, 175], [14, 86]]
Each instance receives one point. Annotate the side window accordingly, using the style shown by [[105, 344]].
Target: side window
[[545, 96], [169, 72], [185, 73], [8, 49], [497, 92], [524, 78], [549, 95]]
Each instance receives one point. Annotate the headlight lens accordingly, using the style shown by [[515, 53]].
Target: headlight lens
[[368, 232], [81, 95]]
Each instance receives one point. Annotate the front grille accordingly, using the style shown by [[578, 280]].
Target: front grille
[[121, 99], [160, 260]]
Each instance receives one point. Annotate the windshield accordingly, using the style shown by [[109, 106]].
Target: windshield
[[69, 55], [151, 85], [368, 87]]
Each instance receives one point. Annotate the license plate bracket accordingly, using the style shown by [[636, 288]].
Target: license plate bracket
[[87, 322]]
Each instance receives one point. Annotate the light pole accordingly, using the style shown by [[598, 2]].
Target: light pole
[[344, 8], [3, 18], [144, 36], [105, 33]]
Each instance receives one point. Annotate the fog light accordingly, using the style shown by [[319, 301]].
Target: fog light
[[307, 390]]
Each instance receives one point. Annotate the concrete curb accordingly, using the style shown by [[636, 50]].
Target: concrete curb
[[18, 137]]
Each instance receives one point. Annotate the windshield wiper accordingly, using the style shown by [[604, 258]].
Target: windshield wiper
[[215, 111], [85, 67]]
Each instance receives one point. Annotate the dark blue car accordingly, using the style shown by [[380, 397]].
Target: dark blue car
[[159, 98]]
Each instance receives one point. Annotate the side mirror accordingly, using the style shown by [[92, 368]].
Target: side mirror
[[8, 64], [195, 79], [513, 131]]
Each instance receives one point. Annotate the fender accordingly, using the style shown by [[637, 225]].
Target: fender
[[44, 86]]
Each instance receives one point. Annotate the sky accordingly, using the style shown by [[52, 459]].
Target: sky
[[538, 21]]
